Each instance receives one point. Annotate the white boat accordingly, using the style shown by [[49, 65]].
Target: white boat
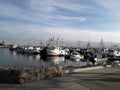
[[53, 48], [99, 59], [75, 56], [62, 52], [13, 47], [116, 53], [29, 49], [36, 50], [53, 51]]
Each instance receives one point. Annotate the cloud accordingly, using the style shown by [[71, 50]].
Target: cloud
[[42, 11], [72, 20], [23, 31], [111, 8], [85, 35], [8, 10], [49, 6], [48, 10]]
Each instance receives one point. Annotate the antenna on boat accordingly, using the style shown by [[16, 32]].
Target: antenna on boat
[[101, 43], [88, 45]]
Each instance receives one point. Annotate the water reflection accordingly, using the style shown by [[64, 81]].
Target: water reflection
[[73, 63], [26, 56], [50, 61], [14, 53], [37, 57], [56, 60]]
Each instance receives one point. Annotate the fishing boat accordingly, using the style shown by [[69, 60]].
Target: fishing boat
[[20, 49], [100, 59], [36, 50], [53, 48], [53, 51], [29, 49], [116, 53], [13, 47]]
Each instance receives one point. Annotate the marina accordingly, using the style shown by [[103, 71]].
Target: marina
[[59, 45], [29, 56], [28, 64], [13, 59]]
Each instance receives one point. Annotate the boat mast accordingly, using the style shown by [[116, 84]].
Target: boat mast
[[101, 44], [88, 45]]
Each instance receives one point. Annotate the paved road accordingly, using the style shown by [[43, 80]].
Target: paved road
[[100, 79]]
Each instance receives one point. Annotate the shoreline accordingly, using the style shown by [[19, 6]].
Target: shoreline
[[4, 46]]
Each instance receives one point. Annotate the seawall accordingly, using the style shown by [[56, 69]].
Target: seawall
[[28, 74]]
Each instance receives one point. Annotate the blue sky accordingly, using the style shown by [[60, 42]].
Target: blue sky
[[84, 20]]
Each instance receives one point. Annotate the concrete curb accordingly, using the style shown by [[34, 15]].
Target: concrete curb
[[71, 70]]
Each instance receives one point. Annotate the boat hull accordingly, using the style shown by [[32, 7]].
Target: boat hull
[[53, 53]]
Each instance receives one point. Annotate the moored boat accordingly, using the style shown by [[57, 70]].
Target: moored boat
[[53, 51], [13, 47], [76, 56]]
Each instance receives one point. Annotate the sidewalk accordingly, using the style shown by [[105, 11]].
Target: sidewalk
[[98, 79]]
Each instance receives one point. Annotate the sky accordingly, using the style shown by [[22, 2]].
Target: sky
[[79, 20]]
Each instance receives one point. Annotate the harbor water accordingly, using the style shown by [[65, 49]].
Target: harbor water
[[13, 59]]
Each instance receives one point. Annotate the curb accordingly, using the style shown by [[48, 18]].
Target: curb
[[71, 70]]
